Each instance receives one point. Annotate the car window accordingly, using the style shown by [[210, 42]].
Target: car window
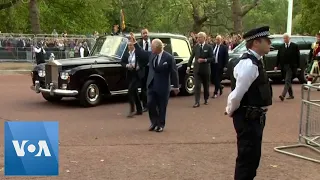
[[241, 47], [180, 48], [309, 40], [276, 42], [167, 44]]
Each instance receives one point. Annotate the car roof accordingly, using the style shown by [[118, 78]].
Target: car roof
[[160, 35], [281, 35]]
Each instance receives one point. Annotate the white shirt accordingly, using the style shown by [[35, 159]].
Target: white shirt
[[245, 72], [201, 45], [37, 50], [132, 58], [159, 58], [287, 45], [145, 43], [216, 52], [82, 51]]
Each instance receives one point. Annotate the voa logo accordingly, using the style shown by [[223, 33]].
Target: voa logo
[[31, 148]]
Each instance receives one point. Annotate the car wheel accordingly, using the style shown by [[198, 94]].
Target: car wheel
[[90, 94], [50, 98], [188, 85]]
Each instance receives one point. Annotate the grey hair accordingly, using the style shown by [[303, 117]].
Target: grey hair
[[203, 34], [218, 36], [158, 43], [286, 35]]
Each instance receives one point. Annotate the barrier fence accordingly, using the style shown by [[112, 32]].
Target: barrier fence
[[19, 47], [309, 131]]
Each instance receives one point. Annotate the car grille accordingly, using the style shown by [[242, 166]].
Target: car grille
[[52, 75]]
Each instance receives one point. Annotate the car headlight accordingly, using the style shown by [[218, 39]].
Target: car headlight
[[41, 73], [64, 75]]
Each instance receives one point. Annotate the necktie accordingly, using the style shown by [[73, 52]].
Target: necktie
[[147, 47], [156, 59]]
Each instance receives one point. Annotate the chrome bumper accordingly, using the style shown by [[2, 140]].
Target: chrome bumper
[[53, 91]]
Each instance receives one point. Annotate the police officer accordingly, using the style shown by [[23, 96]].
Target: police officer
[[248, 101]]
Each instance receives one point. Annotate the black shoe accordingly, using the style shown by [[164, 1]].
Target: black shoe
[[145, 110], [159, 129], [131, 114], [290, 97], [281, 98], [138, 113], [206, 102], [196, 105], [152, 128]]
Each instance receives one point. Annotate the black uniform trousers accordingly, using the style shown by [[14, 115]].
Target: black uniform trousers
[[249, 141], [133, 94], [144, 88]]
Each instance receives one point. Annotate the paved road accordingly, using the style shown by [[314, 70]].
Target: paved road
[[100, 143]]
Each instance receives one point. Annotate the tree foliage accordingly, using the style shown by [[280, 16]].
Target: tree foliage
[[178, 16]]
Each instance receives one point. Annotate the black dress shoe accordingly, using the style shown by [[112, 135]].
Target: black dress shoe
[[145, 110], [281, 98], [138, 113], [152, 128], [196, 105], [290, 97], [206, 102], [131, 114], [159, 129]]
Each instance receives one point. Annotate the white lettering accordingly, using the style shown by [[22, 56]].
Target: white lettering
[[19, 149]]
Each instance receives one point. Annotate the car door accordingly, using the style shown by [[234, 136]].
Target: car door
[[115, 73]]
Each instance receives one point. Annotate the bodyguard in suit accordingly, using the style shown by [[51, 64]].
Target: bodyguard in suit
[[134, 75], [288, 58], [203, 55], [162, 73], [221, 56], [145, 43]]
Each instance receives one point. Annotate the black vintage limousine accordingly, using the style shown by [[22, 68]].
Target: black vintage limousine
[[101, 74]]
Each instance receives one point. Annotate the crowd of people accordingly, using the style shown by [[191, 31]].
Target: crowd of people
[[21, 46], [229, 40]]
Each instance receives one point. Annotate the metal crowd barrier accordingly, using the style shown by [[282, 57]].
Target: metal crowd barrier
[[13, 53], [309, 130]]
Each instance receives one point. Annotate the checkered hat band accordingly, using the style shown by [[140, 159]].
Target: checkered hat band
[[261, 34]]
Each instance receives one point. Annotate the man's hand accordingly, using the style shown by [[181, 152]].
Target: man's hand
[[129, 66], [132, 38], [188, 70], [175, 90], [201, 60], [275, 68]]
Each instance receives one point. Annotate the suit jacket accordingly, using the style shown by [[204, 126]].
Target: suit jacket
[[132, 73], [145, 56], [162, 76], [206, 53], [223, 55], [288, 56]]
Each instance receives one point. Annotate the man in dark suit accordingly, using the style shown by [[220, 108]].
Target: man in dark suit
[[134, 75], [203, 55], [162, 73], [221, 56], [288, 58], [145, 43]]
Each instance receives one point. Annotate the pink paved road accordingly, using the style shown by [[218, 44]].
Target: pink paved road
[[101, 143]]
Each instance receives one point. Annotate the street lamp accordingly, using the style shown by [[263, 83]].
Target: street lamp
[[289, 18]]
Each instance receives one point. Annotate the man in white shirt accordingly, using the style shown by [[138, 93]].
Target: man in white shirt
[[247, 103]]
